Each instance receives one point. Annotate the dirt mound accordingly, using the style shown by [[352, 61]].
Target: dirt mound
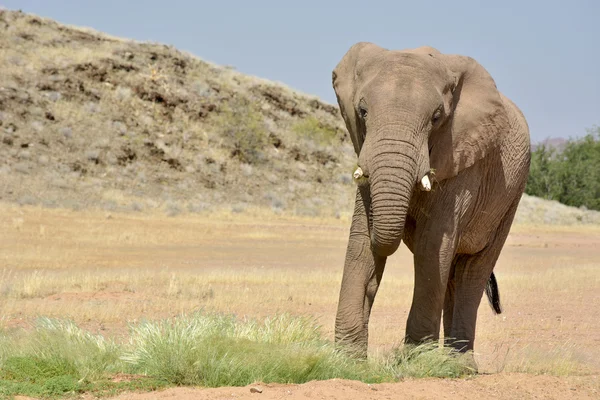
[[88, 120]]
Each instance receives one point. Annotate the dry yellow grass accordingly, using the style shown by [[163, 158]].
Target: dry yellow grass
[[106, 269]]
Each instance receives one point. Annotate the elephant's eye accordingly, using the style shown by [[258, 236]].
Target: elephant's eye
[[437, 115], [362, 111]]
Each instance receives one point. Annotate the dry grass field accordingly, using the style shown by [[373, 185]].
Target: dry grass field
[[104, 270]]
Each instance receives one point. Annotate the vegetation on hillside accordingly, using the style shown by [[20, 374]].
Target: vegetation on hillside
[[570, 176]]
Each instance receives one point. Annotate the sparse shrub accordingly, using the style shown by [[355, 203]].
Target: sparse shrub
[[66, 132], [110, 205], [92, 107], [54, 96], [201, 89], [312, 128], [246, 169], [243, 126], [276, 202], [136, 206], [37, 126], [123, 93], [239, 208], [111, 159], [27, 200], [198, 207], [119, 127], [307, 211], [93, 156], [172, 209]]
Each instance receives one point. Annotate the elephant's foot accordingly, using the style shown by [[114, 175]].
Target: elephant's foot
[[412, 341], [354, 349], [466, 358], [464, 350], [468, 361]]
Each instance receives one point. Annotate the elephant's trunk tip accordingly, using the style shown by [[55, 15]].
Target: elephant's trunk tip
[[384, 250]]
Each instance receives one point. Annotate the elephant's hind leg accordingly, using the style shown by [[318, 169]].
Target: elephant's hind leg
[[472, 273]]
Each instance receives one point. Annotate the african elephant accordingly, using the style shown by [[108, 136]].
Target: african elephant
[[443, 159]]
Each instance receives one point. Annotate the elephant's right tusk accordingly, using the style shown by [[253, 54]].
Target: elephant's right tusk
[[358, 173], [426, 184]]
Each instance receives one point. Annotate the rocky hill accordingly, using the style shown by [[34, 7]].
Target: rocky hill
[[89, 120], [93, 121], [556, 143]]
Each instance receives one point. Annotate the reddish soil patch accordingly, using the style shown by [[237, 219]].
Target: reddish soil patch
[[501, 386]]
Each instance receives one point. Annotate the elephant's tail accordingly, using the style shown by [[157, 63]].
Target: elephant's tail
[[493, 294]]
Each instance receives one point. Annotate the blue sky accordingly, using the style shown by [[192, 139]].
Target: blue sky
[[545, 55]]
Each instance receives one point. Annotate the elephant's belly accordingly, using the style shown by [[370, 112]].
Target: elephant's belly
[[474, 240], [485, 217]]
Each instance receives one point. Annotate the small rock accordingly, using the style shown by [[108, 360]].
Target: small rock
[[255, 390]]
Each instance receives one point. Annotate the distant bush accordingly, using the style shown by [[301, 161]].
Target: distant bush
[[314, 129], [244, 126], [572, 176]]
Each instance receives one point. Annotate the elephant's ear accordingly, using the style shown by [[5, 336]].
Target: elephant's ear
[[345, 81], [477, 123]]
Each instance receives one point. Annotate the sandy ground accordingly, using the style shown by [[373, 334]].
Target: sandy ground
[[255, 266], [502, 386]]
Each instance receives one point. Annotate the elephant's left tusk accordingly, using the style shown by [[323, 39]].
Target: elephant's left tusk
[[358, 173], [425, 184]]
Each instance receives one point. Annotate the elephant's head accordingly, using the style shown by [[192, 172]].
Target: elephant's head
[[409, 113]]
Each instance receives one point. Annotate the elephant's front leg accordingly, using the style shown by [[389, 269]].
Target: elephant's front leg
[[434, 249], [362, 274]]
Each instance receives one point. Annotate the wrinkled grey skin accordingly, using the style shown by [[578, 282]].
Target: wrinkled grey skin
[[409, 112]]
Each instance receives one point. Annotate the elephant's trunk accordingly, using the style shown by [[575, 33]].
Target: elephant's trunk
[[393, 174]]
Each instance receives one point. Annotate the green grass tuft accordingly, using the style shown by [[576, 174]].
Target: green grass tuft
[[37, 376], [59, 359], [221, 351], [429, 360]]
